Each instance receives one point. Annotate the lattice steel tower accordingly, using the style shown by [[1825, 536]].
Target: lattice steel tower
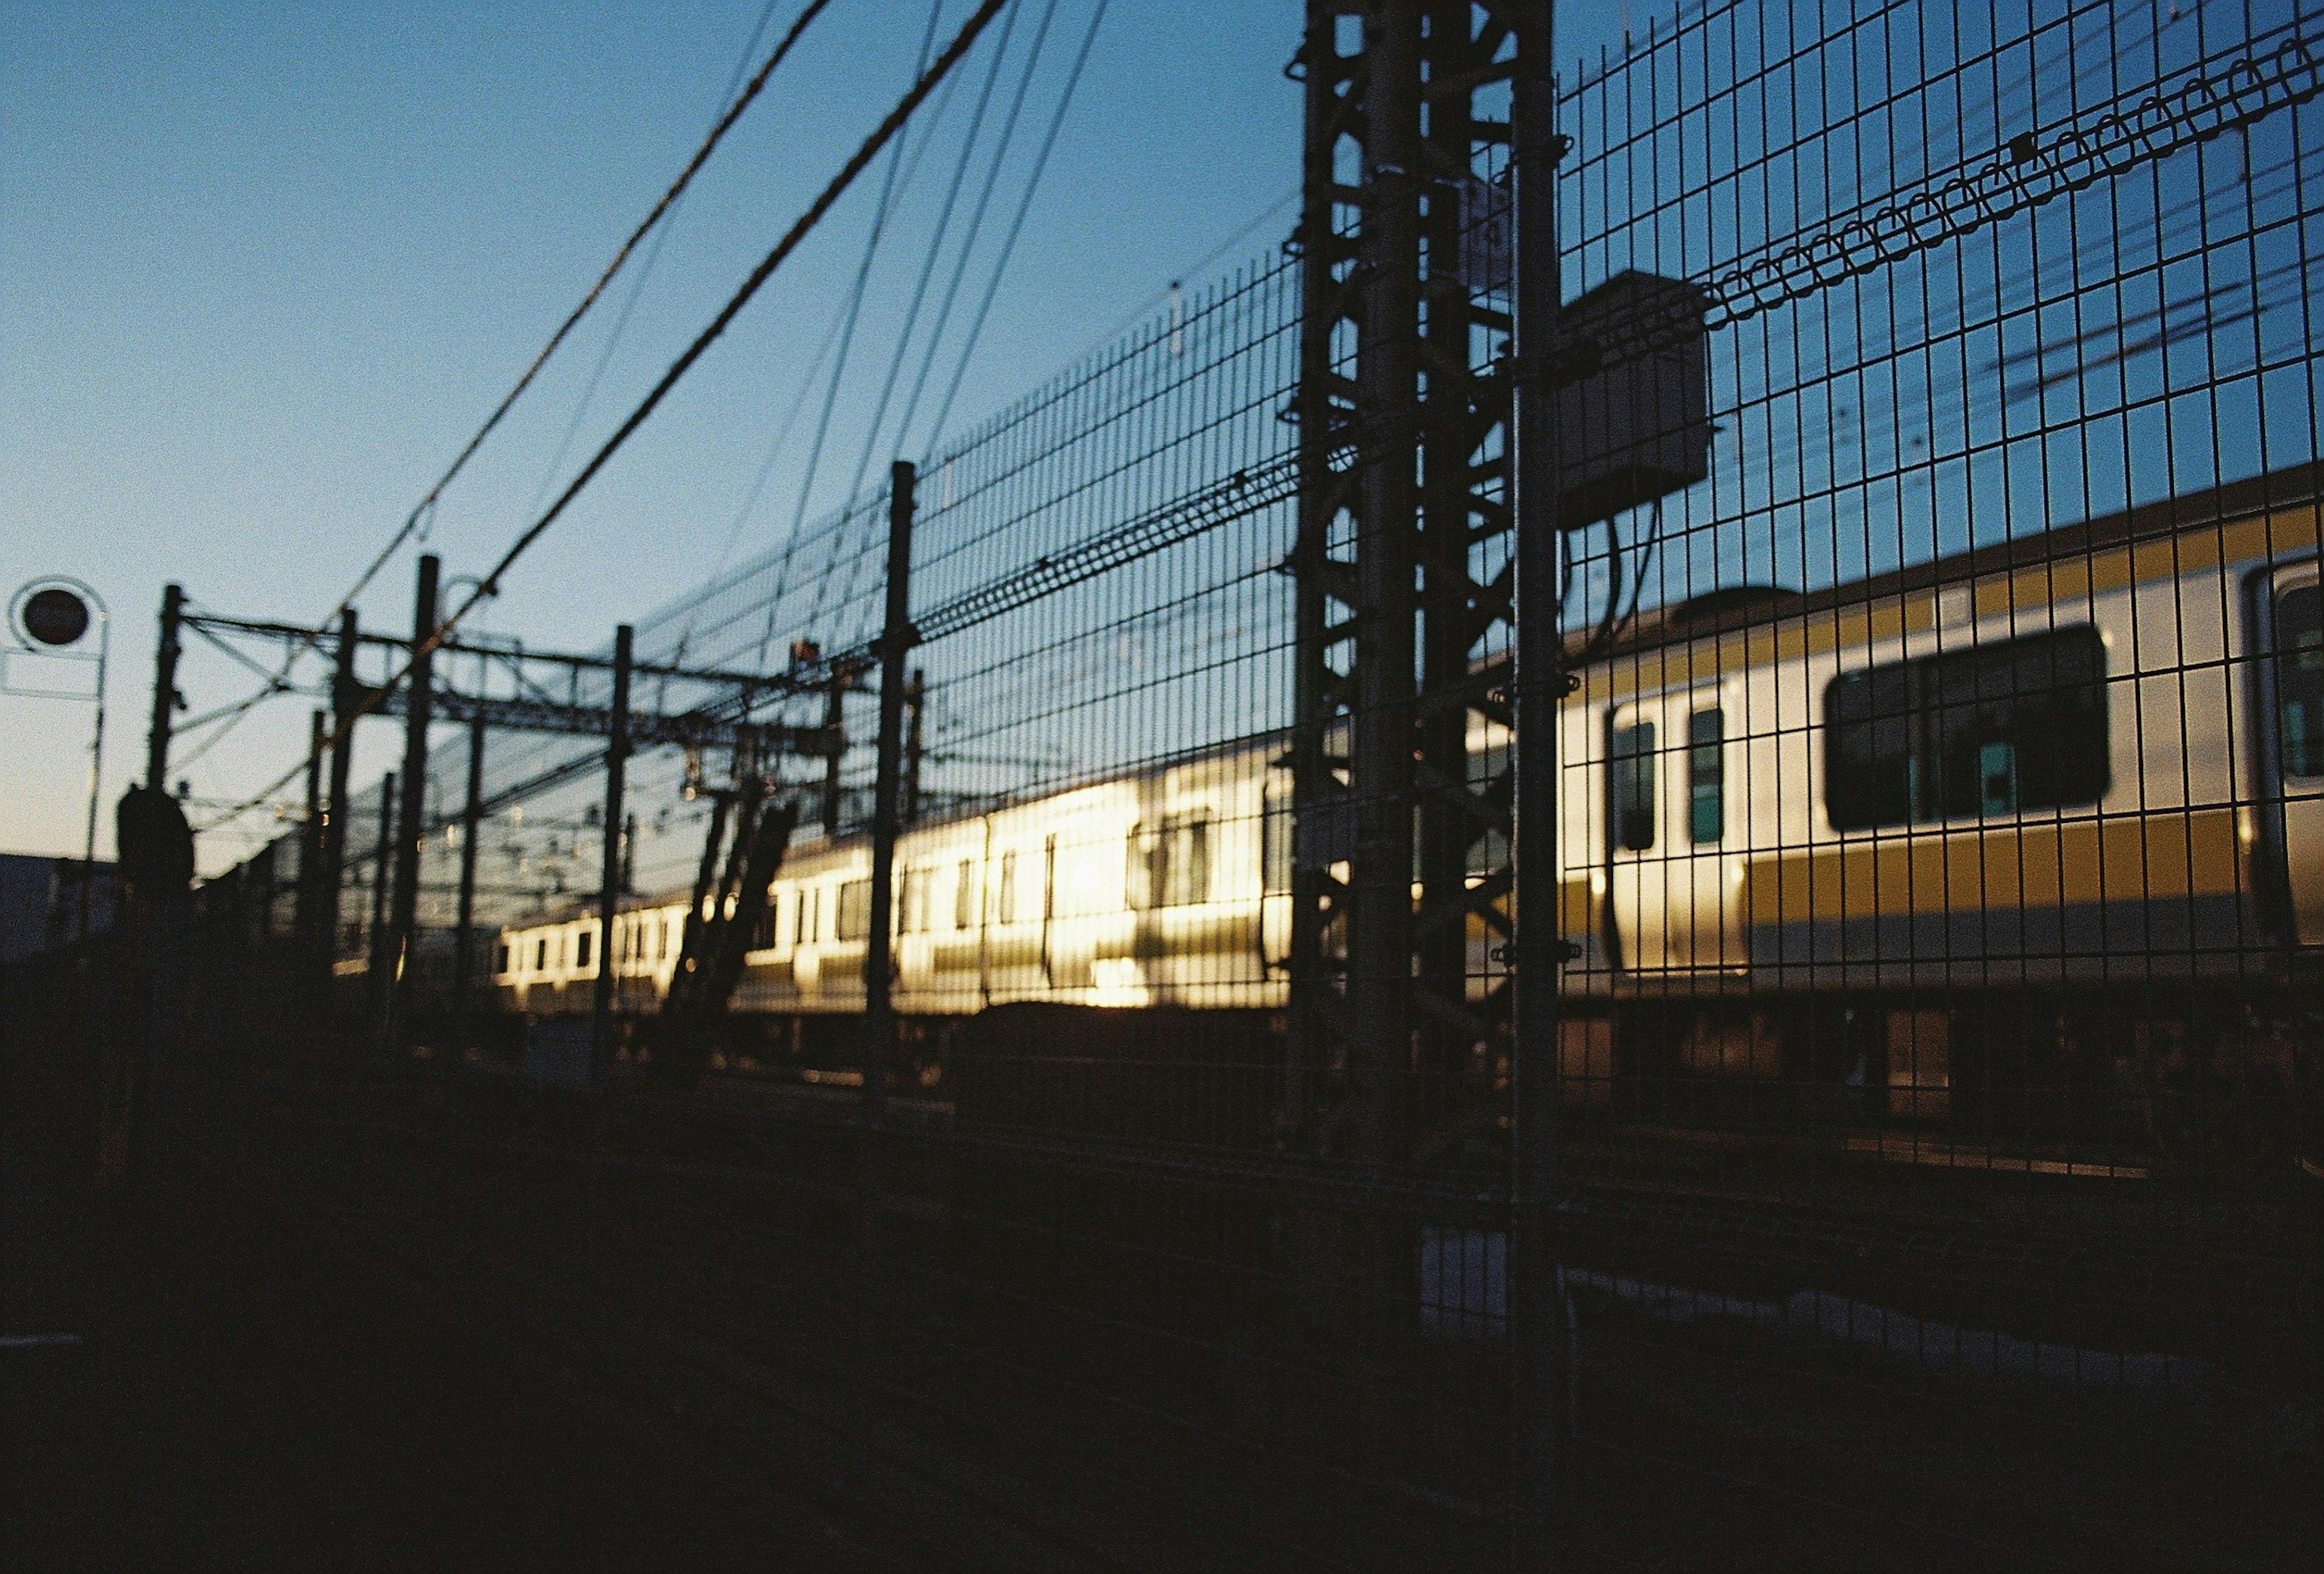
[[1405, 569]]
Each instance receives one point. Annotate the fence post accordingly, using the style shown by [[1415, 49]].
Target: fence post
[[609, 890], [916, 698], [1536, 1304], [418, 700], [896, 639], [472, 821]]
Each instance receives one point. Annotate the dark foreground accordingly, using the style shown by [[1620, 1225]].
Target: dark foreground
[[250, 1394]]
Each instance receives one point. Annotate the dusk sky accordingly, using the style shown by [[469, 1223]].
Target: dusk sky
[[264, 269]]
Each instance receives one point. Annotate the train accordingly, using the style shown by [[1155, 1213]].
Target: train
[[2039, 824]]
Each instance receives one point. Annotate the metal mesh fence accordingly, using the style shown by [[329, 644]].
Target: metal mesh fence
[[1938, 1107]]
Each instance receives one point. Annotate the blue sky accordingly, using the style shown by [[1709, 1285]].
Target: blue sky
[[263, 268]]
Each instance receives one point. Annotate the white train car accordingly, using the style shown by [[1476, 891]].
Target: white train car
[[2086, 757], [1844, 838], [1162, 888]]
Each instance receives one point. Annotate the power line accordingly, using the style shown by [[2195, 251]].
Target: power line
[[975, 223], [426, 506], [1001, 265], [857, 562], [935, 251], [643, 275], [1192, 270], [684, 177], [856, 301], [798, 232]]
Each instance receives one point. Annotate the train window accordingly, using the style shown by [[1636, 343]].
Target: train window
[[1996, 730], [964, 896], [2299, 679], [855, 910], [541, 955], [501, 958], [1869, 770], [1276, 836], [1706, 777], [581, 944], [1170, 865], [1630, 781], [799, 935], [1008, 887], [661, 939]]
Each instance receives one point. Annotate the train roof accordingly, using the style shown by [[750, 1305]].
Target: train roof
[[1752, 606]]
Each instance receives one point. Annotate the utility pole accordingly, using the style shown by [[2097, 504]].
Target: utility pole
[[896, 639], [344, 699], [608, 889], [420, 695], [165, 690], [382, 868], [472, 821], [1537, 1306], [309, 891]]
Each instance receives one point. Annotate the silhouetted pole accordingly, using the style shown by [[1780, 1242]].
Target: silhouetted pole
[[1538, 945], [472, 821], [306, 919], [896, 639], [381, 861], [608, 889], [165, 690], [916, 698], [420, 697], [344, 701]]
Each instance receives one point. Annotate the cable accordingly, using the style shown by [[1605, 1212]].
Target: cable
[[855, 305], [1192, 270], [975, 223], [798, 232], [839, 541], [1001, 265], [929, 264], [426, 506], [644, 275], [693, 166]]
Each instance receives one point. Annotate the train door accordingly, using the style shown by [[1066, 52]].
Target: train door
[[2296, 675], [1667, 814]]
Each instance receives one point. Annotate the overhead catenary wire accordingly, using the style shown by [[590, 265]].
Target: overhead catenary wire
[[839, 540], [801, 229], [856, 301], [1194, 270], [654, 216], [929, 264], [644, 274], [808, 379], [975, 223], [421, 511], [1017, 225]]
